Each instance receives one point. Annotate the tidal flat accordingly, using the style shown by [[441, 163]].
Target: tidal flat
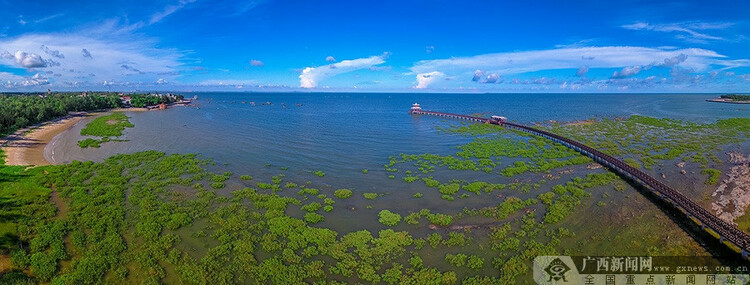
[[483, 212]]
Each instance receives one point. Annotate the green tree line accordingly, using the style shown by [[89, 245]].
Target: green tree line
[[736, 97], [143, 100], [22, 110]]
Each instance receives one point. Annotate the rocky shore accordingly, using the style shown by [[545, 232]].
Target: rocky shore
[[733, 194]]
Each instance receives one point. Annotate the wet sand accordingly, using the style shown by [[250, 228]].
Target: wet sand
[[26, 146]]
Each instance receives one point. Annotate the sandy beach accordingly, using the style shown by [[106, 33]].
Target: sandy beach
[[26, 146]]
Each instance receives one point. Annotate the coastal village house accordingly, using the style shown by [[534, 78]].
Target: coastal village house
[[125, 100]]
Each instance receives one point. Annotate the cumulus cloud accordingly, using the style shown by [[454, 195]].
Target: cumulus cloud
[[311, 76], [425, 79], [582, 71], [256, 62], [479, 76], [85, 53], [492, 78], [29, 60], [138, 57], [330, 59], [48, 51], [161, 81], [627, 72], [689, 31], [36, 80]]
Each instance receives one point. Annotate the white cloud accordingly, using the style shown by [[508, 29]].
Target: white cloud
[[311, 76], [429, 49], [627, 71], [330, 59], [256, 62], [479, 76], [36, 80], [684, 30], [492, 78], [509, 63], [136, 58], [425, 79], [156, 17], [161, 81], [29, 60]]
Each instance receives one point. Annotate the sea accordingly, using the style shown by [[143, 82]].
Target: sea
[[341, 133], [293, 135]]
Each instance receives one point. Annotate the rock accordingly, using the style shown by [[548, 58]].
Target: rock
[[683, 171], [734, 192], [681, 164], [432, 227], [663, 176], [594, 166]]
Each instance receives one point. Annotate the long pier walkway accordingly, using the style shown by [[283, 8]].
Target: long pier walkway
[[726, 232]]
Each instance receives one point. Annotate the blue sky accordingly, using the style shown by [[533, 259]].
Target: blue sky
[[384, 46]]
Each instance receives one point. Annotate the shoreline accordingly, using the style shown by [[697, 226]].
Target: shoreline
[[26, 146], [729, 101]]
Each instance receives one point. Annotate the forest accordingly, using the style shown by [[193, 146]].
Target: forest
[[143, 100], [21, 110]]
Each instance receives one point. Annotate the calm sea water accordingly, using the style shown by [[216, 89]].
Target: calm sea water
[[342, 134]]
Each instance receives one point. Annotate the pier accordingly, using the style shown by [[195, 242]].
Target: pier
[[725, 232]]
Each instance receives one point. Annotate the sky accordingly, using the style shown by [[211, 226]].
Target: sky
[[375, 46]]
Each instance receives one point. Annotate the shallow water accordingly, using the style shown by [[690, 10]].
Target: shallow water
[[342, 134]]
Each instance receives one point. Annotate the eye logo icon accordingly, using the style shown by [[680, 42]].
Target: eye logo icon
[[557, 269]]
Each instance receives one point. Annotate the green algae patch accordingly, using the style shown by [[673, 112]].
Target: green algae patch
[[370, 196], [713, 176], [342, 193], [389, 218], [104, 127]]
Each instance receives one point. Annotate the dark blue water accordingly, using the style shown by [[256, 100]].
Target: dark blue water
[[343, 133]]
